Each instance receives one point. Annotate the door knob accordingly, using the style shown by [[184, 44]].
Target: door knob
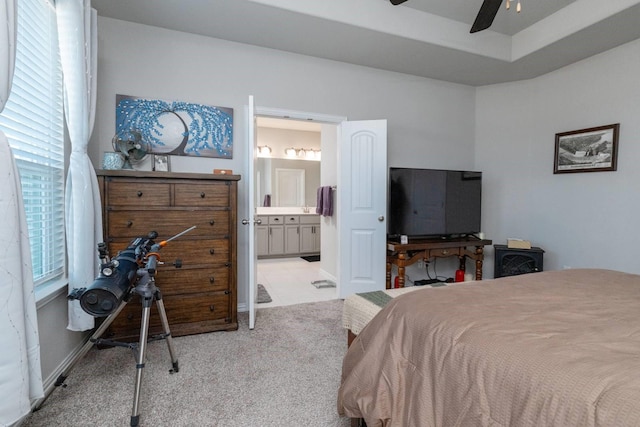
[[255, 221], [381, 218]]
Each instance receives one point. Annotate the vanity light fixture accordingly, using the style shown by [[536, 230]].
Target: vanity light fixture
[[291, 152], [313, 155], [303, 153], [265, 150]]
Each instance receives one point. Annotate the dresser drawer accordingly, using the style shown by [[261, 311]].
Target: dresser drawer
[[186, 280], [201, 307], [197, 252], [191, 252], [131, 223], [202, 194], [180, 309], [138, 194]]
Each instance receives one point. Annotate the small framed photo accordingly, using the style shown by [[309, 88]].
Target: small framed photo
[[587, 150], [161, 163]]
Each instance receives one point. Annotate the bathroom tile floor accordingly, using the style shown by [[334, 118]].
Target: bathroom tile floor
[[288, 281]]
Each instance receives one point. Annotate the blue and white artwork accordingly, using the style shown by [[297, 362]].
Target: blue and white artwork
[[177, 128]]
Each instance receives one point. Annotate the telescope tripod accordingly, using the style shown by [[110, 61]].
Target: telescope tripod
[[148, 292]]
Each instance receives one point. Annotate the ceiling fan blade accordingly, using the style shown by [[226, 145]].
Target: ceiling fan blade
[[397, 2], [485, 17]]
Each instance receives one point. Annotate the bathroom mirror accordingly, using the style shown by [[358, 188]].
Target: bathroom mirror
[[301, 191]]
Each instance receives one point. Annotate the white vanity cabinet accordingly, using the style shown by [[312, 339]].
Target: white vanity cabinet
[[276, 235], [310, 233], [288, 235], [262, 231], [291, 234]]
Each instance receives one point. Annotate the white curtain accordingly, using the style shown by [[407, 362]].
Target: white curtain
[[77, 32], [20, 373]]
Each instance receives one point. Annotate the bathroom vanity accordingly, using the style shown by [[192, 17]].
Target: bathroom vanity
[[288, 232]]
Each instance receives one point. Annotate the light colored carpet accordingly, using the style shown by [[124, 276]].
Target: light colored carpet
[[285, 372]]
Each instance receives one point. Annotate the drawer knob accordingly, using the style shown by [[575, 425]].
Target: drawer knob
[[212, 222], [129, 223], [139, 193], [212, 307], [212, 251], [202, 195], [212, 279], [445, 252], [130, 316]]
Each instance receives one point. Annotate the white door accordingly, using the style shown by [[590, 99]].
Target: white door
[[251, 221], [362, 203]]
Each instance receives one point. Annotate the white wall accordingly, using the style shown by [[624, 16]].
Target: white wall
[[581, 219], [430, 123]]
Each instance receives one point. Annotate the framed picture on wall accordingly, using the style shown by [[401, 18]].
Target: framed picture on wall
[[587, 150], [161, 162]]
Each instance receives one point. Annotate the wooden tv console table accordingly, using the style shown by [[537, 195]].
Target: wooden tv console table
[[403, 255]]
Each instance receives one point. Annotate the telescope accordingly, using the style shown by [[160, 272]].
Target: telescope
[[131, 272], [118, 276]]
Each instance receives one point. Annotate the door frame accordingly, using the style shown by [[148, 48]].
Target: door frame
[[281, 113], [286, 114]]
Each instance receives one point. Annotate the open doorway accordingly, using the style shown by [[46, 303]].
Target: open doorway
[[290, 252]]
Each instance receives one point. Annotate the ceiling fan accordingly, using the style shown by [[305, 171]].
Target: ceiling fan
[[485, 17]]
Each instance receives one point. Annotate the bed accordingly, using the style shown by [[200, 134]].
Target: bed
[[546, 349]]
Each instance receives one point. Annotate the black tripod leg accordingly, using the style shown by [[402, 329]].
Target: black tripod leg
[[84, 350], [142, 349], [165, 325]]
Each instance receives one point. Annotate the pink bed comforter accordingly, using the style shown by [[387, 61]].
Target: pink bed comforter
[[547, 349]]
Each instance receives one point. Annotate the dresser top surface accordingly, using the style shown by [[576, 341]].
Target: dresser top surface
[[175, 175]]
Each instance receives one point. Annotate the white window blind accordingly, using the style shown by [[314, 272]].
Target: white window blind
[[32, 120]]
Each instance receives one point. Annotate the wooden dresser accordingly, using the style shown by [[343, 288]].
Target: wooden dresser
[[201, 296]]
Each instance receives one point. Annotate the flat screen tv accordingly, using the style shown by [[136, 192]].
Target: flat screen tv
[[434, 203]]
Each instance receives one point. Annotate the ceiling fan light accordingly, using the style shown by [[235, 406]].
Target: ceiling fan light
[[518, 7], [508, 4]]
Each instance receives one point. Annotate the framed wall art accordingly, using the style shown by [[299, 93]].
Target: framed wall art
[[587, 150], [176, 128]]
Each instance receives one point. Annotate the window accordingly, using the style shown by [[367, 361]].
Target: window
[[33, 122]]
